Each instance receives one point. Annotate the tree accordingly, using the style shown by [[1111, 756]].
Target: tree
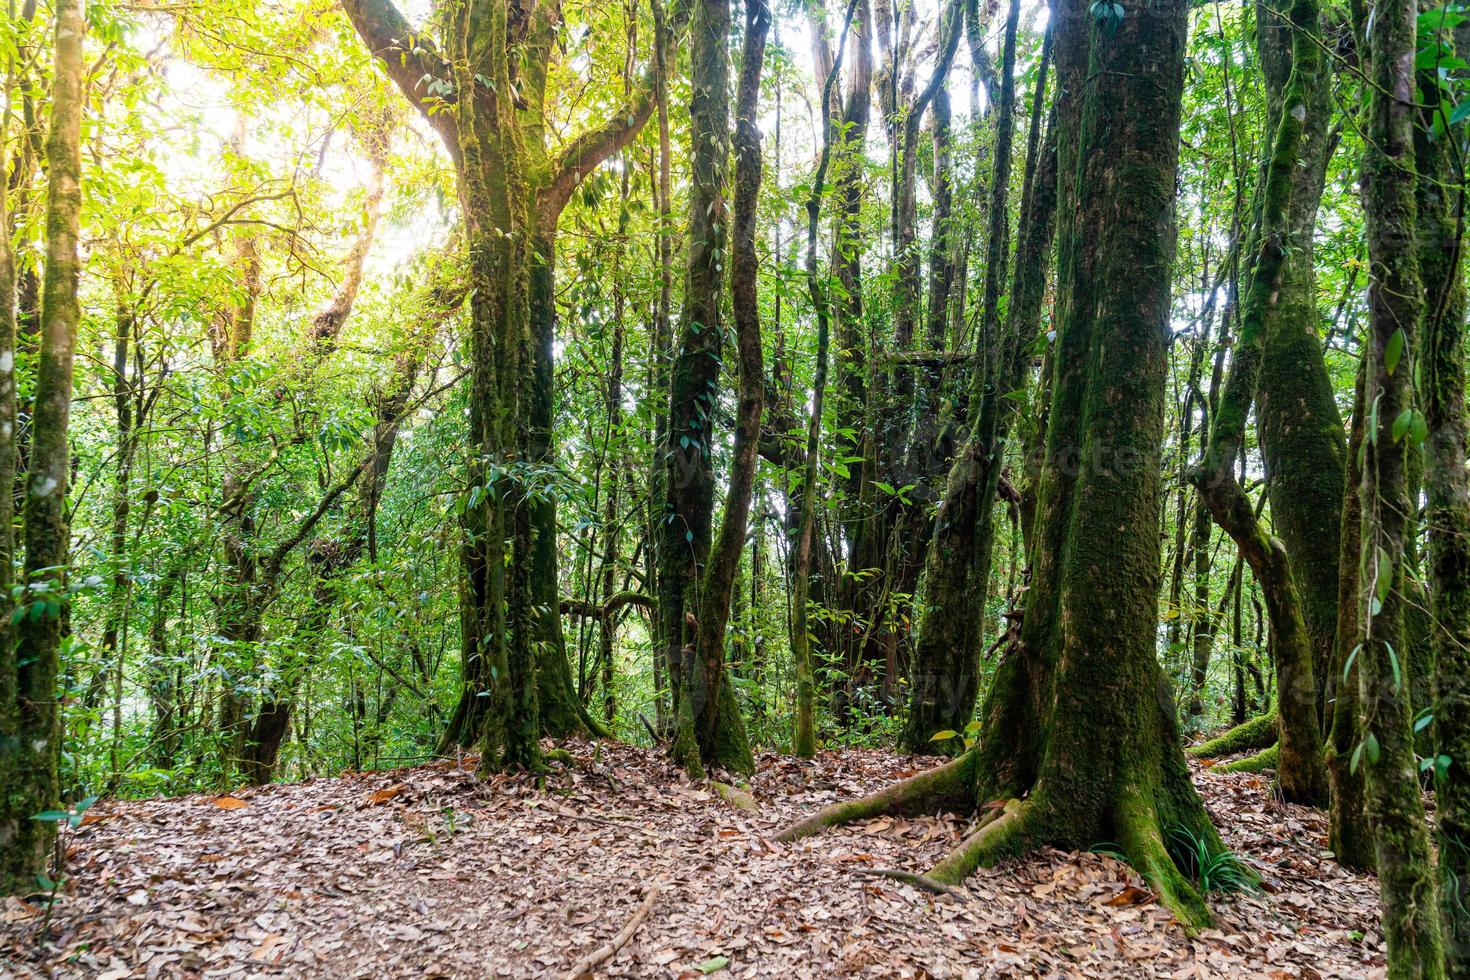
[[1406, 876], [29, 720], [1087, 647], [1303, 776], [486, 96]]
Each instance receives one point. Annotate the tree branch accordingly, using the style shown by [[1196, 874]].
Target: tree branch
[[410, 59], [587, 152]]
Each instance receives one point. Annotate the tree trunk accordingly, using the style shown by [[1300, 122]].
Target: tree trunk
[[804, 736], [1300, 430], [1394, 809], [1440, 228], [1088, 645], [30, 736], [946, 669], [1301, 773]]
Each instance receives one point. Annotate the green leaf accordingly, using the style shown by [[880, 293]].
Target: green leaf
[[714, 964], [1401, 424], [1393, 661], [1347, 667], [1419, 428], [1370, 742], [51, 816], [1356, 758], [944, 736], [1394, 350], [1385, 573], [1423, 722]]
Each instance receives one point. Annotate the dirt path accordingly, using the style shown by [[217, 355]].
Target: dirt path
[[429, 872]]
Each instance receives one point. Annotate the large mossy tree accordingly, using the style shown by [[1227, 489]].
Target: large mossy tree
[[1079, 741], [484, 89]]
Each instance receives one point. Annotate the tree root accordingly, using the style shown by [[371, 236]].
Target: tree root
[[1269, 759], [1258, 733], [734, 795], [1142, 839], [999, 836], [909, 878], [952, 781], [606, 952]]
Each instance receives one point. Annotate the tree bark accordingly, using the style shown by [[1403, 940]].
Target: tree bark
[[1087, 652], [30, 737], [1394, 809]]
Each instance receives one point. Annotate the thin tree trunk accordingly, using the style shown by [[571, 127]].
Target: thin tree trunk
[[30, 737]]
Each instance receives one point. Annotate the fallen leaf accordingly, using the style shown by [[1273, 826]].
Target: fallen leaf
[[229, 803], [384, 795]]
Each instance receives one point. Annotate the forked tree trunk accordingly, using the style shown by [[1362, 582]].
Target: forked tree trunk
[[708, 726], [1088, 646], [719, 728], [1301, 772], [516, 680]]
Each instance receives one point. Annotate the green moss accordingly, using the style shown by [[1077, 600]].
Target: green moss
[[1256, 733], [1268, 759]]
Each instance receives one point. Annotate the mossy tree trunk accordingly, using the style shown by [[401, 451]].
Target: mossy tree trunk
[[708, 697], [945, 675], [30, 736], [1302, 775], [1300, 429], [708, 727], [16, 856], [1406, 875], [1440, 229], [1088, 643], [1348, 835], [487, 101]]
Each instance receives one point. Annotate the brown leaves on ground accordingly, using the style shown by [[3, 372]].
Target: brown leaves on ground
[[430, 872]]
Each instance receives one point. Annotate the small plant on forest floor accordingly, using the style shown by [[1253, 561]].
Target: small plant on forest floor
[[971, 732], [1212, 870], [67, 821]]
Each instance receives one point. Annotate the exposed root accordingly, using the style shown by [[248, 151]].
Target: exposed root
[[909, 878], [1258, 733], [606, 952], [1142, 840], [950, 782], [734, 795], [1268, 759], [1001, 837]]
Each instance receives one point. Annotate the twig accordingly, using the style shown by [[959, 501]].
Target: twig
[[909, 878], [600, 955]]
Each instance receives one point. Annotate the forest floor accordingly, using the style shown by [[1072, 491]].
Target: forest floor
[[431, 872]]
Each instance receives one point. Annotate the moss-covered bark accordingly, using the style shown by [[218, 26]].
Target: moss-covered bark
[[1348, 835], [1440, 232], [30, 736], [1300, 430], [516, 679], [946, 665], [709, 730], [1087, 647], [1406, 877], [1303, 777], [1257, 733]]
